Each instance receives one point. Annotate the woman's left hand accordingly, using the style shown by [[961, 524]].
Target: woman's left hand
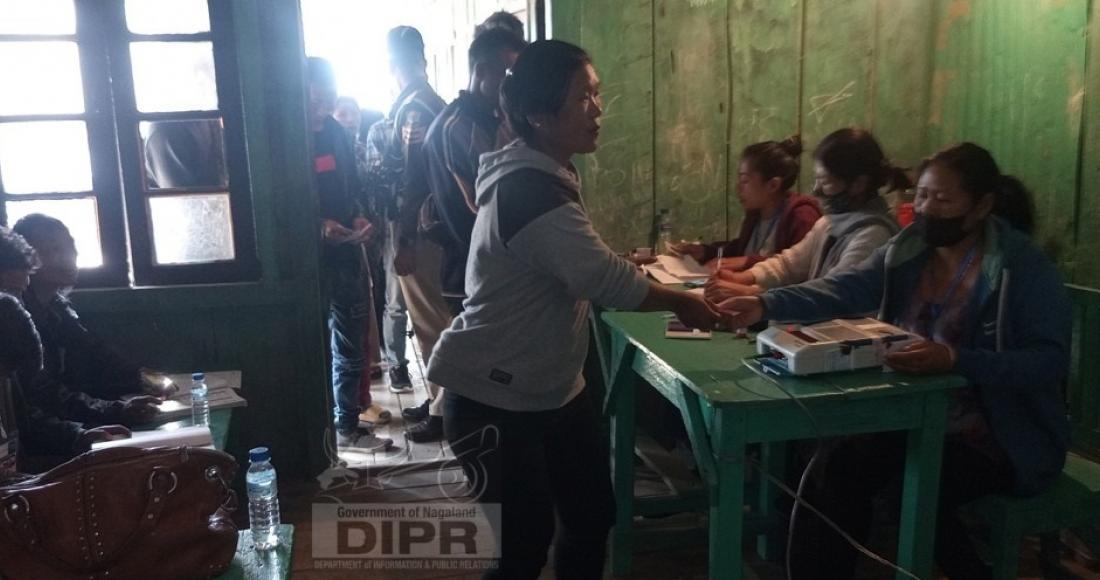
[[922, 358]]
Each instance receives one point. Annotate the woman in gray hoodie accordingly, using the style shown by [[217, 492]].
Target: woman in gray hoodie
[[516, 410]]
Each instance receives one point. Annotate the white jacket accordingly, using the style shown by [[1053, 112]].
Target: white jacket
[[837, 242]]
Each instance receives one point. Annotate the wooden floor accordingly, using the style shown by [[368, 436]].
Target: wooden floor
[[404, 453]]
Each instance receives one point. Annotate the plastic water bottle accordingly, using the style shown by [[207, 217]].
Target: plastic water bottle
[[263, 499], [200, 404], [664, 231]]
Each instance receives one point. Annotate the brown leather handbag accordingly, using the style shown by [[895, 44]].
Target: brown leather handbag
[[122, 513]]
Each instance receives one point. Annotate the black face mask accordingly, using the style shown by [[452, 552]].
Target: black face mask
[[841, 202], [939, 232]]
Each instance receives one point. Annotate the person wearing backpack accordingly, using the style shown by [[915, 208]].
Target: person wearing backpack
[[414, 257]]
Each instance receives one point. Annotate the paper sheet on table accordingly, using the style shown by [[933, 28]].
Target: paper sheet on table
[[189, 436], [684, 268], [659, 274]]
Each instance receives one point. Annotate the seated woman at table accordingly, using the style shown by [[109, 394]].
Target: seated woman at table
[[992, 308], [850, 169], [516, 411], [84, 379], [776, 217], [30, 439]]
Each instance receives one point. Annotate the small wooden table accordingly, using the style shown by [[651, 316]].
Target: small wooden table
[[250, 564], [726, 406]]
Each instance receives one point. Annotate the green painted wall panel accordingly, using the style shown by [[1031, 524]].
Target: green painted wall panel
[[837, 70], [618, 177], [691, 105], [1087, 270], [766, 48], [902, 78], [1009, 76]]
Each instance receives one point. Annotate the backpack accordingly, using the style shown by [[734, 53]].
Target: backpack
[[384, 168]]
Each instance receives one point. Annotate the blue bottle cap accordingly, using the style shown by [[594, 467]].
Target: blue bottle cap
[[197, 376], [257, 454]]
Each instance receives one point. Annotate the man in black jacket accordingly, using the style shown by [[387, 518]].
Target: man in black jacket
[[460, 134]]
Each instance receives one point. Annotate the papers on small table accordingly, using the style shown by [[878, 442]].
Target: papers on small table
[[221, 392], [677, 270], [184, 436]]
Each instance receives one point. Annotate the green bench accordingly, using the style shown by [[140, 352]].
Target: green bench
[[1074, 500]]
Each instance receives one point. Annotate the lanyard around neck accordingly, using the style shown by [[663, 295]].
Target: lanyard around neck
[[936, 308]]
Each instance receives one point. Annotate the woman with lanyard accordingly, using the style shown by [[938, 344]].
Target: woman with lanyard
[[776, 217], [993, 309]]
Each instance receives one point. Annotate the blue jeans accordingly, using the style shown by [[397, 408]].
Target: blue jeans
[[347, 315], [395, 323]]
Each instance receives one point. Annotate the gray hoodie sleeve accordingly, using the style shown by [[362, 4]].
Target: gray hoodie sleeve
[[563, 244]]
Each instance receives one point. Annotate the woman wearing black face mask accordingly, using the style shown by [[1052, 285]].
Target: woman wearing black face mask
[[849, 170], [993, 309]]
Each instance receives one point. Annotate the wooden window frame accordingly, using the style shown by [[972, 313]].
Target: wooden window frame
[[117, 157]]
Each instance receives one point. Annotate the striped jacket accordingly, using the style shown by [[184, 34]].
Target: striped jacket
[[458, 137]]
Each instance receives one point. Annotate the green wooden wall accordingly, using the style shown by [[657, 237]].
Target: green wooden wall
[[689, 83], [271, 330]]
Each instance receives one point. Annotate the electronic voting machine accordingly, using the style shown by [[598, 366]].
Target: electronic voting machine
[[836, 345]]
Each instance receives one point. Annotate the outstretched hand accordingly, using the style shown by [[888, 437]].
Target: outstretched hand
[[696, 312], [742, 311]]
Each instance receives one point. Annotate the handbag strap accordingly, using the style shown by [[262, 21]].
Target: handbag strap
[[161, 483]]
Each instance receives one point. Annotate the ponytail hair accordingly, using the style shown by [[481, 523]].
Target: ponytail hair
[[775, 159], [851, 152], [979, 175], [1013, 203]]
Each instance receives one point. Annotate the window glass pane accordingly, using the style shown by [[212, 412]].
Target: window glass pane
[[174, 76], [45, 157], [167, 16], [37, 17], [184, 154], [190, 229], [80, 217], [40, 78]]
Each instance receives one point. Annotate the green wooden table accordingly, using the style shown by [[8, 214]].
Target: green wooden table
[[726, 405], [250, 564]]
